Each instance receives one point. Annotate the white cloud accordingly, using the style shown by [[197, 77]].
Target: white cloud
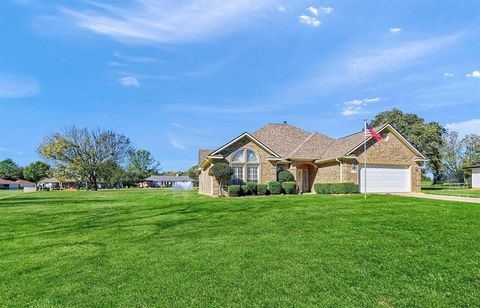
[[313, 10], [176, 143], [326, 9], [18, 86], [129, 81], [474, 74], [447, 74], [121, 56], [282, 8], [164, 21], [308, 20], [357, 106], [466, 127], [10, 151], [395, 30]]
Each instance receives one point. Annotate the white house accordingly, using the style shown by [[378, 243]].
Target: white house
[[475, 171]]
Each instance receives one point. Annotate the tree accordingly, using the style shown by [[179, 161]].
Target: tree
[[426, 137], [192, 173], [10, 170], [83, 154], [36, 171], [222, 172], [452, 156], [141, 165], [471, 147]]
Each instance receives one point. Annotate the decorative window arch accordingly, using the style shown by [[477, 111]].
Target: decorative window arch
[[245, 164]]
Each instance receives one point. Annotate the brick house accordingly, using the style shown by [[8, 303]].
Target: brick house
[[393, 164]]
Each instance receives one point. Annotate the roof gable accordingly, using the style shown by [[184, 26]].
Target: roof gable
[[242, 136]]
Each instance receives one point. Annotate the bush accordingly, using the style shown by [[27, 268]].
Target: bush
[[289, 187], [251, 188], [275, 188], [234, 191], [335, 188], [285, 176], [262, 189]]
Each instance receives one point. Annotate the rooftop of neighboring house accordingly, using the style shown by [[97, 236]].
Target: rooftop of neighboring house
[[169, 178]]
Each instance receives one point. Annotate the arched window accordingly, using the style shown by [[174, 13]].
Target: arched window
[[245, 167]]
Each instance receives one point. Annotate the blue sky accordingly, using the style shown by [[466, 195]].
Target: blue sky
[[176, 76]]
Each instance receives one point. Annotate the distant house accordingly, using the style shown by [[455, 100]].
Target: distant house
[[24, 183], [7, 184], [475, 171], [54, 183], [165, 180]]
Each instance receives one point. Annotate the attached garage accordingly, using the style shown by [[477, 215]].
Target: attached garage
[[385, 178]]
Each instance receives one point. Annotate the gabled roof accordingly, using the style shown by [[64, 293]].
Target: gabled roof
[[289, 142], [202, 154], [245, 135], [169, 178], [7, 182]]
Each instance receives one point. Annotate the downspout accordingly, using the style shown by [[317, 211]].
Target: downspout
[[341, 169]]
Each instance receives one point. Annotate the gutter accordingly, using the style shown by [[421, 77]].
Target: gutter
[[341, 169]]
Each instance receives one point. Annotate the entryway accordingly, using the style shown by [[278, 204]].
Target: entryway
[[305, 177]]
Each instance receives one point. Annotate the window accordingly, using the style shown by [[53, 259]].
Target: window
[[252, 174], [245, 166], [237, 178]]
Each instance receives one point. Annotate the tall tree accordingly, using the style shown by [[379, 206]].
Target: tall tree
[[426, 137], [84, 154], [452, 155], [9, 170], [141, 165], [192, 173], [36, 171], [471, 148]]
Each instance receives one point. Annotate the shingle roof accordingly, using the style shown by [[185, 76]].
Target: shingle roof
[[169, 178], [283, 139], [202, 154], [6, 182], [343, 145], [24, 182], [314, 146]]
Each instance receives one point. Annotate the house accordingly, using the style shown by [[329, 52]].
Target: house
[[166, 181], [54, 183], [24, 183], [7, 184], [393, 163], [475, 172]]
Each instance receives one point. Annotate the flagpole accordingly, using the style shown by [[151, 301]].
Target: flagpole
[[365, 151]]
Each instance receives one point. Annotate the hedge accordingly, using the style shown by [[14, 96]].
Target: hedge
[[251, 188], [234, 191], [262, 189], [285, 176], [275, 187], [289, 187], [335, 188]]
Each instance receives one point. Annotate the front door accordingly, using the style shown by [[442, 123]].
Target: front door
[[304, 178]]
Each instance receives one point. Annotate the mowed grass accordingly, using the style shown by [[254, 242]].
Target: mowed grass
[[165, 248], [428, 188]]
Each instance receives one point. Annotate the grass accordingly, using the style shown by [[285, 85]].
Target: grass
[[165, 248], [439, 189]]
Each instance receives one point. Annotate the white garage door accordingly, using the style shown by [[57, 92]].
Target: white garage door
[[380, 178], [476, 178]]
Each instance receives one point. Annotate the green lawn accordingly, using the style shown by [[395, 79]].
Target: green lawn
[[428, 188], [165, 248]]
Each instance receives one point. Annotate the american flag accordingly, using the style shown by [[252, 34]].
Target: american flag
[[370, 132]]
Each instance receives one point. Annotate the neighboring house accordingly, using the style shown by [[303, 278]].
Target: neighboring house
[[165, 180], [475, 171], [24, 183], [54, 183], [7, 184], [393, 163]]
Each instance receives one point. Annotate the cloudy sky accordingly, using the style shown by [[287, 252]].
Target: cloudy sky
[[176, 76]]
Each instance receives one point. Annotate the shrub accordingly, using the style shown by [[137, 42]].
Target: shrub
[[243, 190], [234, 191], [262, 189], [335, 188], [275, 188], [289, 187], [251, 188], [222, 172], [285, 176]]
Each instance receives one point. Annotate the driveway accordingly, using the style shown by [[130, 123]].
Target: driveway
[[439, 197]]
